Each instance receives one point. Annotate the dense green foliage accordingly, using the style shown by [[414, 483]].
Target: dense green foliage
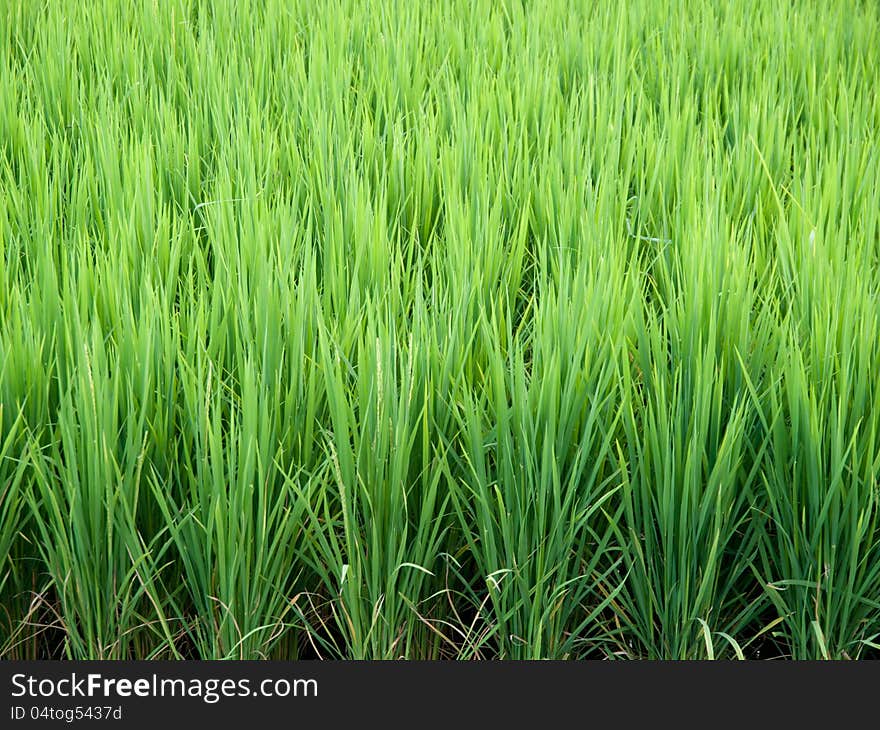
[[459, 329]]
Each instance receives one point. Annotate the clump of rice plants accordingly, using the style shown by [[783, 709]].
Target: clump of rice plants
[[463, 330]]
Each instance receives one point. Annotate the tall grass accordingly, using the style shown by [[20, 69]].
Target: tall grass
[[439, 330]]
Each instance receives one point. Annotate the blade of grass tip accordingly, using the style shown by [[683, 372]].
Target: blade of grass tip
[[707, 638]]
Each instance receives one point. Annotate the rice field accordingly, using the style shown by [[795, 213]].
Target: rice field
[[439, 330]]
